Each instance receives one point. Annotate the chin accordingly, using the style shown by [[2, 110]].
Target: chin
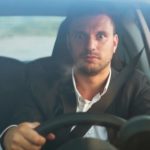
[[89, 70]]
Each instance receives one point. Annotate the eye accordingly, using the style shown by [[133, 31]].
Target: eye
[[80, 35], [100, 35]]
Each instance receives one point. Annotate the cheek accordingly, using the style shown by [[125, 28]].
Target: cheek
[[77, 48], [111, 46], [106, 50], [74, 50]]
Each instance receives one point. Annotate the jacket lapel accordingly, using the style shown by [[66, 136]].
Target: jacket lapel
[[67, 96], [55, 96]]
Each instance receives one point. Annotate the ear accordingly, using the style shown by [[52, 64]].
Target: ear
[[69, 49], [67, 42], [68, 45], [116, 41]]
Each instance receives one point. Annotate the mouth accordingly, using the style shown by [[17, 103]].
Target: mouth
[[90, 57]]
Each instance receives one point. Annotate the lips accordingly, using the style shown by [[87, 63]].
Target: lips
[[90, 57]]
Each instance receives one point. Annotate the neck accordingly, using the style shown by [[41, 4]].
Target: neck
[[89, 86]]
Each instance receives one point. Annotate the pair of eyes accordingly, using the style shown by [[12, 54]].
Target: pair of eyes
[[84, 36]]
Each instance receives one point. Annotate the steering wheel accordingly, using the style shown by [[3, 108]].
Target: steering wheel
[[135, 134], [68, 120]]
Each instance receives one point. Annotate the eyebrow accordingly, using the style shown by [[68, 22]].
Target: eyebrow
[[102, 32]]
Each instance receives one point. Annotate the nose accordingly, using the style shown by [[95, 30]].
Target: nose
[[91, 43]]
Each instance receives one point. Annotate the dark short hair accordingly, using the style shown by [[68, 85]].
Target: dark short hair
[[92, 8]]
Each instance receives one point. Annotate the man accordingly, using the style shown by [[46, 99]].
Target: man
[[91, 42]]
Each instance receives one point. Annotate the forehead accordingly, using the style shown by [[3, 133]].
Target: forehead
[[100, 21]]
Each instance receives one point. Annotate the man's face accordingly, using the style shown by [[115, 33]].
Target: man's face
[[92, 42]]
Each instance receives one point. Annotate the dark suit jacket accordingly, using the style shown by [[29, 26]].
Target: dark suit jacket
[[49, 84], [12, 83]]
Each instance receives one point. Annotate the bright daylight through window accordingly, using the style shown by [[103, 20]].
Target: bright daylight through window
[[28, 38]]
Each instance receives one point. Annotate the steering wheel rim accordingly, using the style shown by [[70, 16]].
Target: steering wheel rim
[[80, 118], [135, 133], [68, 120]]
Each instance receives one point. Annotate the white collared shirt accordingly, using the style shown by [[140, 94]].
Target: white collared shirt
[[84, 105]]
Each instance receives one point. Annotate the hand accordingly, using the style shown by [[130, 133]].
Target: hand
[[24, 137]]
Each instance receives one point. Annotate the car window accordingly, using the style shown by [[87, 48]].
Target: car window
[[27, 38]]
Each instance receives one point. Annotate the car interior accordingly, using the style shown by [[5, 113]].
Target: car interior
[[132, 39]]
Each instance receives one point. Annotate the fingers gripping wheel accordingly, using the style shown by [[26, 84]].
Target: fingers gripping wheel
[[68, 120]]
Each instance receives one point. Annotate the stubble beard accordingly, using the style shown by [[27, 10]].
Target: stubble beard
[[91, 70]]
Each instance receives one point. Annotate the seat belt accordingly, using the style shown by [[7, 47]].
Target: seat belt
[[106, 100]]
